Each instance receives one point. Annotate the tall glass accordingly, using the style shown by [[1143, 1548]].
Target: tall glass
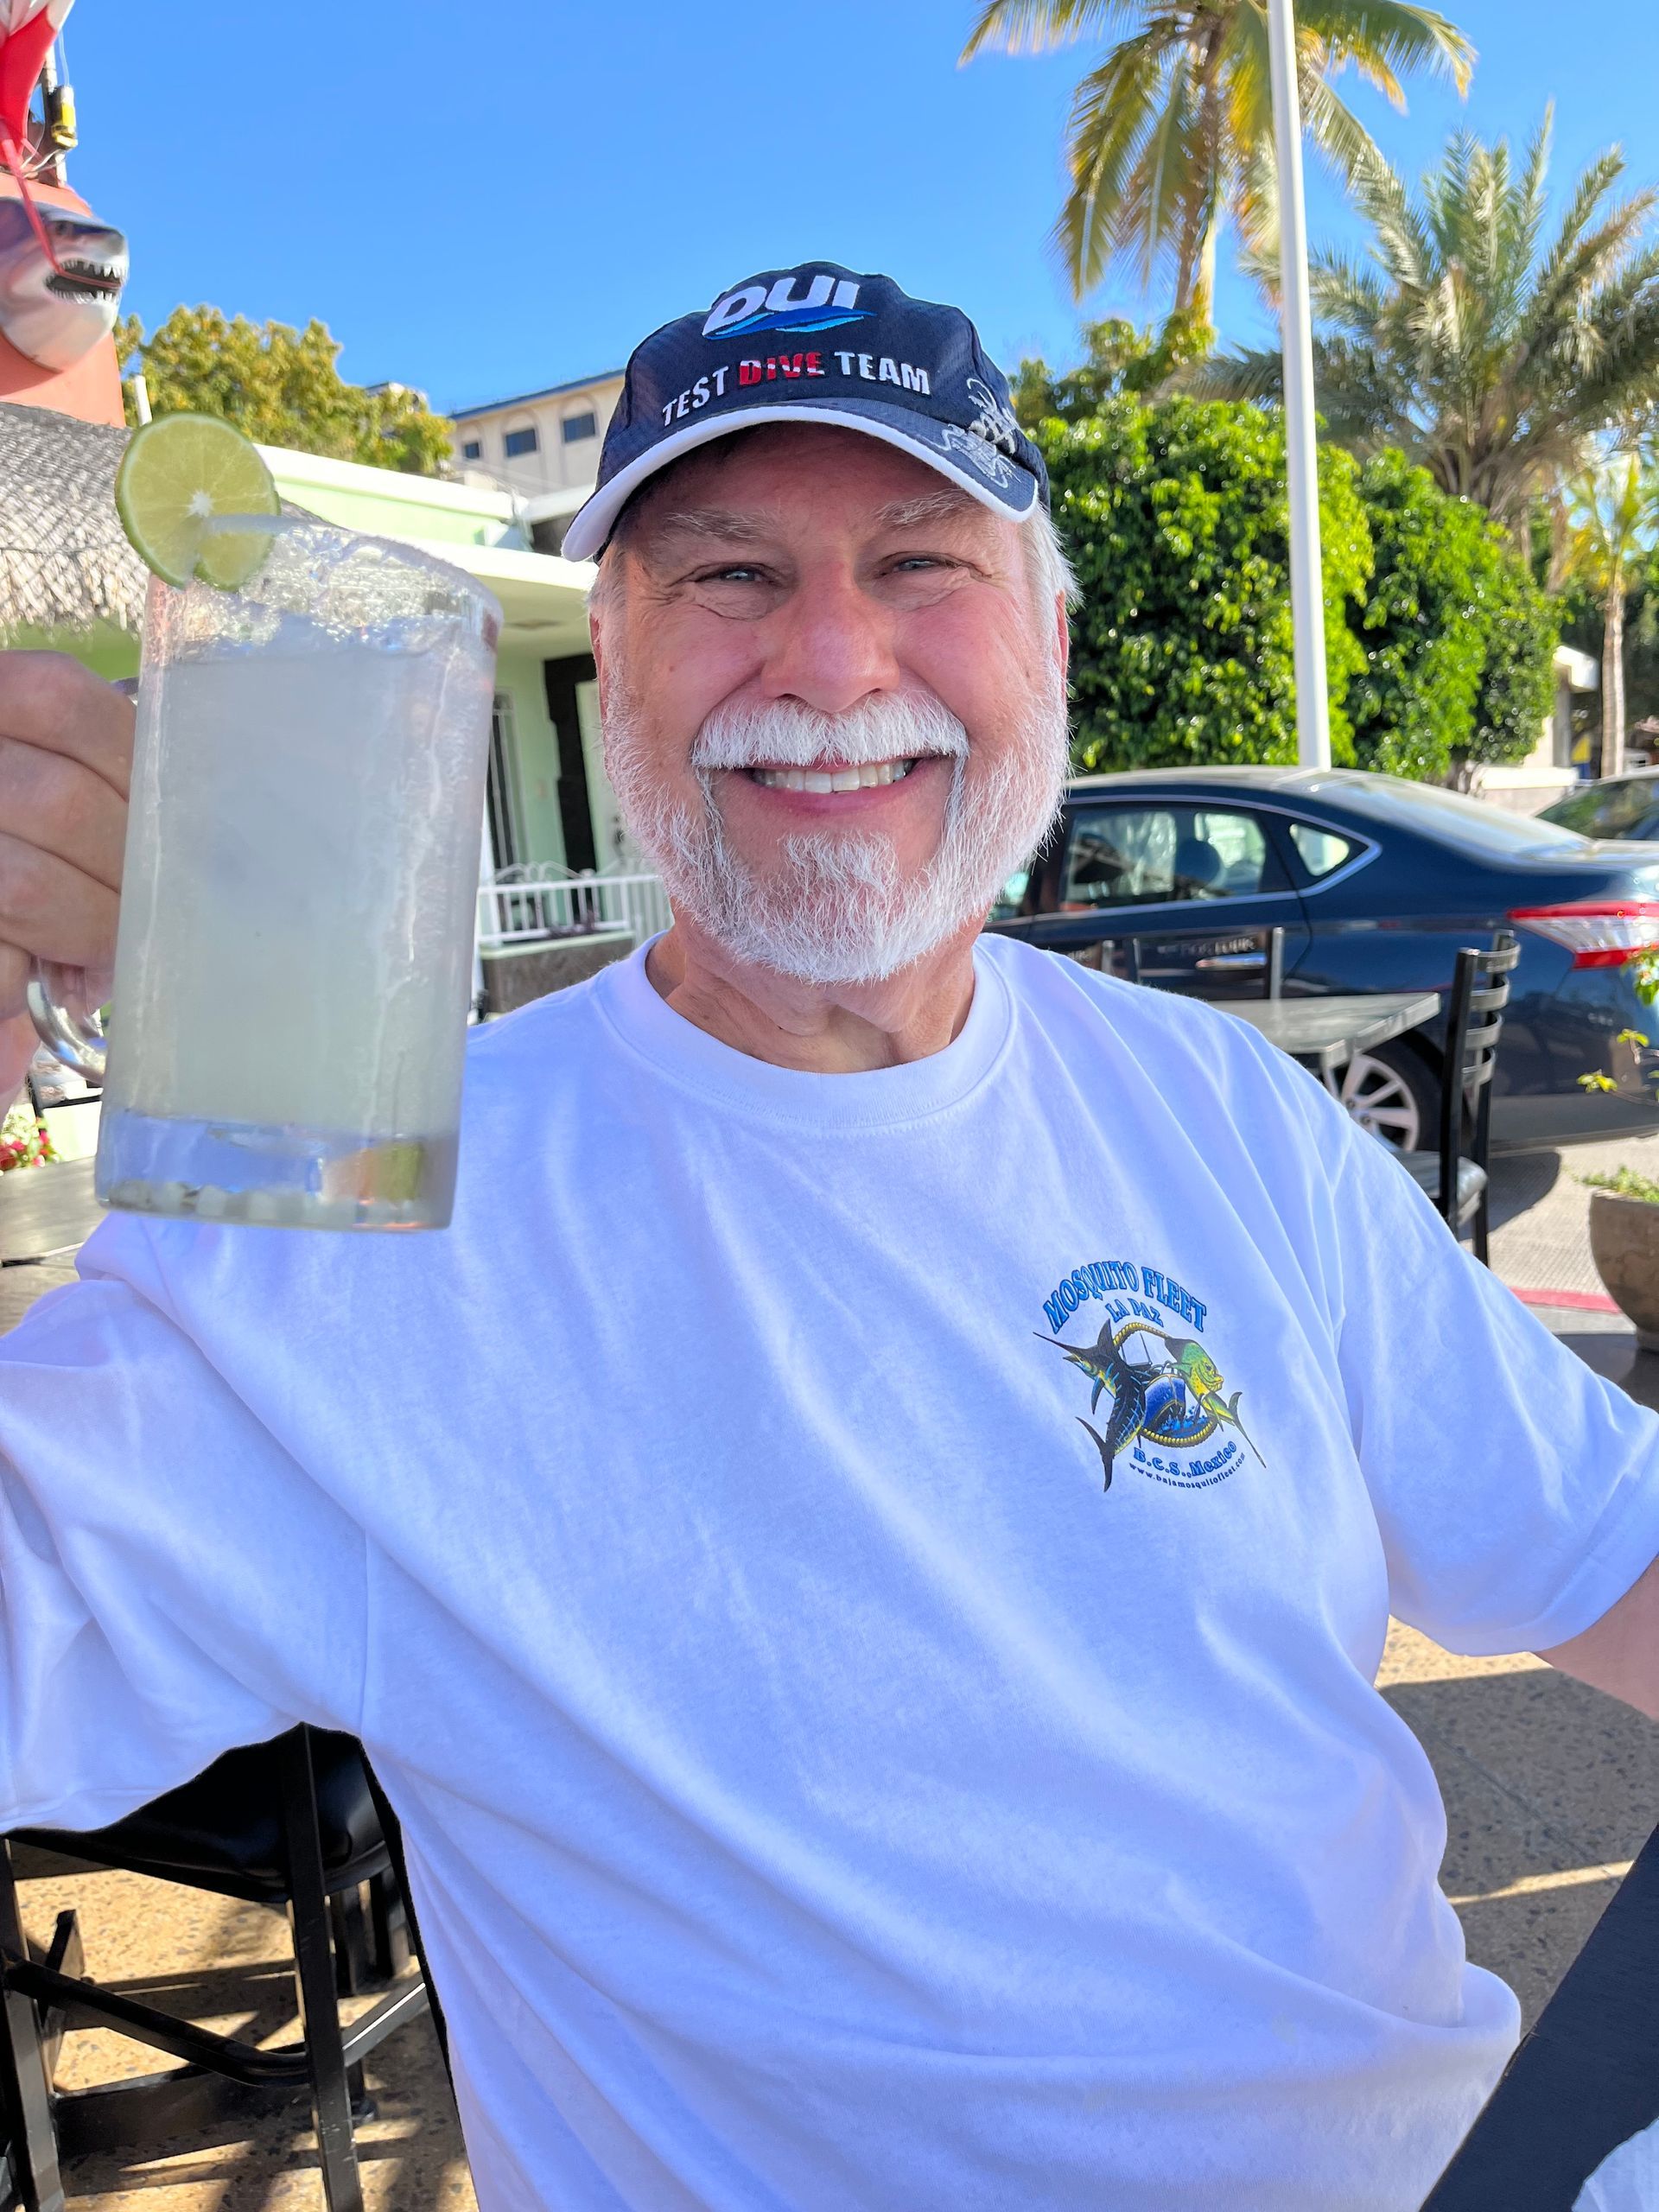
[[294, 955]]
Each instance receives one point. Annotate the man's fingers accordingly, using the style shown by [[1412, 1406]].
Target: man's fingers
[[66, 764], [17, 1044], [57, 802], [51, 909], [52, 702], [13, 977]]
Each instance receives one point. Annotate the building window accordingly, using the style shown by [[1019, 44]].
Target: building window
[[575, 427], [473, 449], [518, 441]]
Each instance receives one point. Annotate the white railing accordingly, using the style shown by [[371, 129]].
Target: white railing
[[540, 901]]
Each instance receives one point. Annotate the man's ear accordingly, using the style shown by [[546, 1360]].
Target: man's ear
[[1062, 635]]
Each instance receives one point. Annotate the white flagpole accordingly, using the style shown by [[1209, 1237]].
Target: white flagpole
[[1296, 338]]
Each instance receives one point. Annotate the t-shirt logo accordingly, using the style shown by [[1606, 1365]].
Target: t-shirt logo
[[1167, 1401]]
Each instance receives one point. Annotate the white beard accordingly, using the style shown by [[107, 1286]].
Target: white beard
[[840, 912]]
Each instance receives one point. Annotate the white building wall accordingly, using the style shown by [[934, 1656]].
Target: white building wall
[[558, 461]]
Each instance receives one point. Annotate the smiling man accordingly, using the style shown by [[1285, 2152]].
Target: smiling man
[[849, 1755]]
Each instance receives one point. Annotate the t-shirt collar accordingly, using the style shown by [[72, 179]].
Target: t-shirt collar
[[883, 1096]]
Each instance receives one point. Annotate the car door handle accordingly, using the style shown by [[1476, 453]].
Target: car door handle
[[1233, 960]]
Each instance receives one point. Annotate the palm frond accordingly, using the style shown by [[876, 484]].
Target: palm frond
[[1246, 71], [1346, 294], [1493, 354], [1255, 207], [1168, 179], [1401, 238], [1382, 38], [1533, 199], [1254, 375], [1337, 131], [1114, 113], [1040, 26], [1590, 247]]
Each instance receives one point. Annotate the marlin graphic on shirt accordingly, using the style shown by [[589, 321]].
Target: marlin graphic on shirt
[[1131, 1382]]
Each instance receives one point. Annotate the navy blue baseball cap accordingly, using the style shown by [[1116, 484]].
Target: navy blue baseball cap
[[817, 344]]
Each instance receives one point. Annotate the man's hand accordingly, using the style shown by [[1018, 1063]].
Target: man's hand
[[66, 760]]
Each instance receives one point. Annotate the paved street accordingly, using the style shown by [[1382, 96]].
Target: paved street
[[1550, 1790]]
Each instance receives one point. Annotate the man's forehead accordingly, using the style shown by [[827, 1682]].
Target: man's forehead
[[763, 482]]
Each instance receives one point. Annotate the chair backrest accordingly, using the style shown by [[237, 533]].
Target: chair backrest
[[1474, 1023]]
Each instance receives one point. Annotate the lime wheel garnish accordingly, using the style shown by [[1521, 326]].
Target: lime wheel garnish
[[181, 473]]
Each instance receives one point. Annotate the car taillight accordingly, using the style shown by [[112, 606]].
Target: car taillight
[[1598, 936]]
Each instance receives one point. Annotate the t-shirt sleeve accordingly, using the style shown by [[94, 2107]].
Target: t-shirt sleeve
[[1518, 1492], [171, 1582]]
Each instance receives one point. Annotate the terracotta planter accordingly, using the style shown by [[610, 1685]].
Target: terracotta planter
[[1624, 1244]]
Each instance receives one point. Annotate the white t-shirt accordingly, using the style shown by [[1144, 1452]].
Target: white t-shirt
[[822, 1789]]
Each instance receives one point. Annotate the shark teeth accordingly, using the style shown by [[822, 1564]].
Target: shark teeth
[[865, 776]]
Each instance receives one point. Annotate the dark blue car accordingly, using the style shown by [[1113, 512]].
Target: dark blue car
[[1376, 883]]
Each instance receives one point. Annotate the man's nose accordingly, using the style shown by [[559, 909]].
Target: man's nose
[[829, 646]]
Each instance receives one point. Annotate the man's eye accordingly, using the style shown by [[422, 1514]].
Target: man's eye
[[737, 572]]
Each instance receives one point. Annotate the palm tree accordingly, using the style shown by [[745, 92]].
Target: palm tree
[[1173, 130], [1494, 358], [1611, 514]]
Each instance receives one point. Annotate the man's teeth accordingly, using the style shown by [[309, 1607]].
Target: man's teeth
[[845, 779]]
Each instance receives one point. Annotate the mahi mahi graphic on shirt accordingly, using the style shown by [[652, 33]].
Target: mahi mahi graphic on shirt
[[1159, 1407]]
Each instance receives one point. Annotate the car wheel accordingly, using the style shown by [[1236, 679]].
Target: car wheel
[[1393, 1093]]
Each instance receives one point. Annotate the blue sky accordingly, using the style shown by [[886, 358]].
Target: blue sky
[[486, 203]]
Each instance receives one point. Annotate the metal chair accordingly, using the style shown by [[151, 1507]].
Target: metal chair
[[295, 1822], [1454, 1175], [1104, 952], [1273, 977]]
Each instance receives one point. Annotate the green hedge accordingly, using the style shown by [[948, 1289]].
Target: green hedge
[[1438, 644], [1459, 640]]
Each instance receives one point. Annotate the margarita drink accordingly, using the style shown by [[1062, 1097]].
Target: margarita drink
[[296, 946]]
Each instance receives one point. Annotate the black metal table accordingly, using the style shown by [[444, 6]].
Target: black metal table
[[1326, 1033], [46, 1210]]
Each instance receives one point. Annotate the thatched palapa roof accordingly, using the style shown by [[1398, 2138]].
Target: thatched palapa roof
[[64, 561]]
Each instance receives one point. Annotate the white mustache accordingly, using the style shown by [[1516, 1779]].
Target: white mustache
[[888, 726]]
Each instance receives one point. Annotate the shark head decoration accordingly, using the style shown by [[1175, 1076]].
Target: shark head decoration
[[61, 271], [54, 315]]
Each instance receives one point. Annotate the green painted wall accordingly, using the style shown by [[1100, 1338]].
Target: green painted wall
[[519, 675], [383, 516], [107, 651]]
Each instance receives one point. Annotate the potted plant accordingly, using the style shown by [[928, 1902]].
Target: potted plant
[[24, 1139], [1625, 1205]]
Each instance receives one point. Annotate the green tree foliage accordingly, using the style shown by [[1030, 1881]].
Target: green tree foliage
[[1612, 512], [1518, 686], [1175, 519], [1439, 643], [281, 386], [1119, 361], [1456, 637], [1583, 624], [1172, 131], [1471, 337]]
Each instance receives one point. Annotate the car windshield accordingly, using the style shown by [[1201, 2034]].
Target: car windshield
[[1449, 816], [1619, 809]]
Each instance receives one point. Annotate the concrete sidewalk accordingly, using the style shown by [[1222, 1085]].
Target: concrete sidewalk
[[1540, 1222], [1550, 1790]]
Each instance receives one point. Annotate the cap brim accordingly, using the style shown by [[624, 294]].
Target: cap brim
[[991, 476]]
